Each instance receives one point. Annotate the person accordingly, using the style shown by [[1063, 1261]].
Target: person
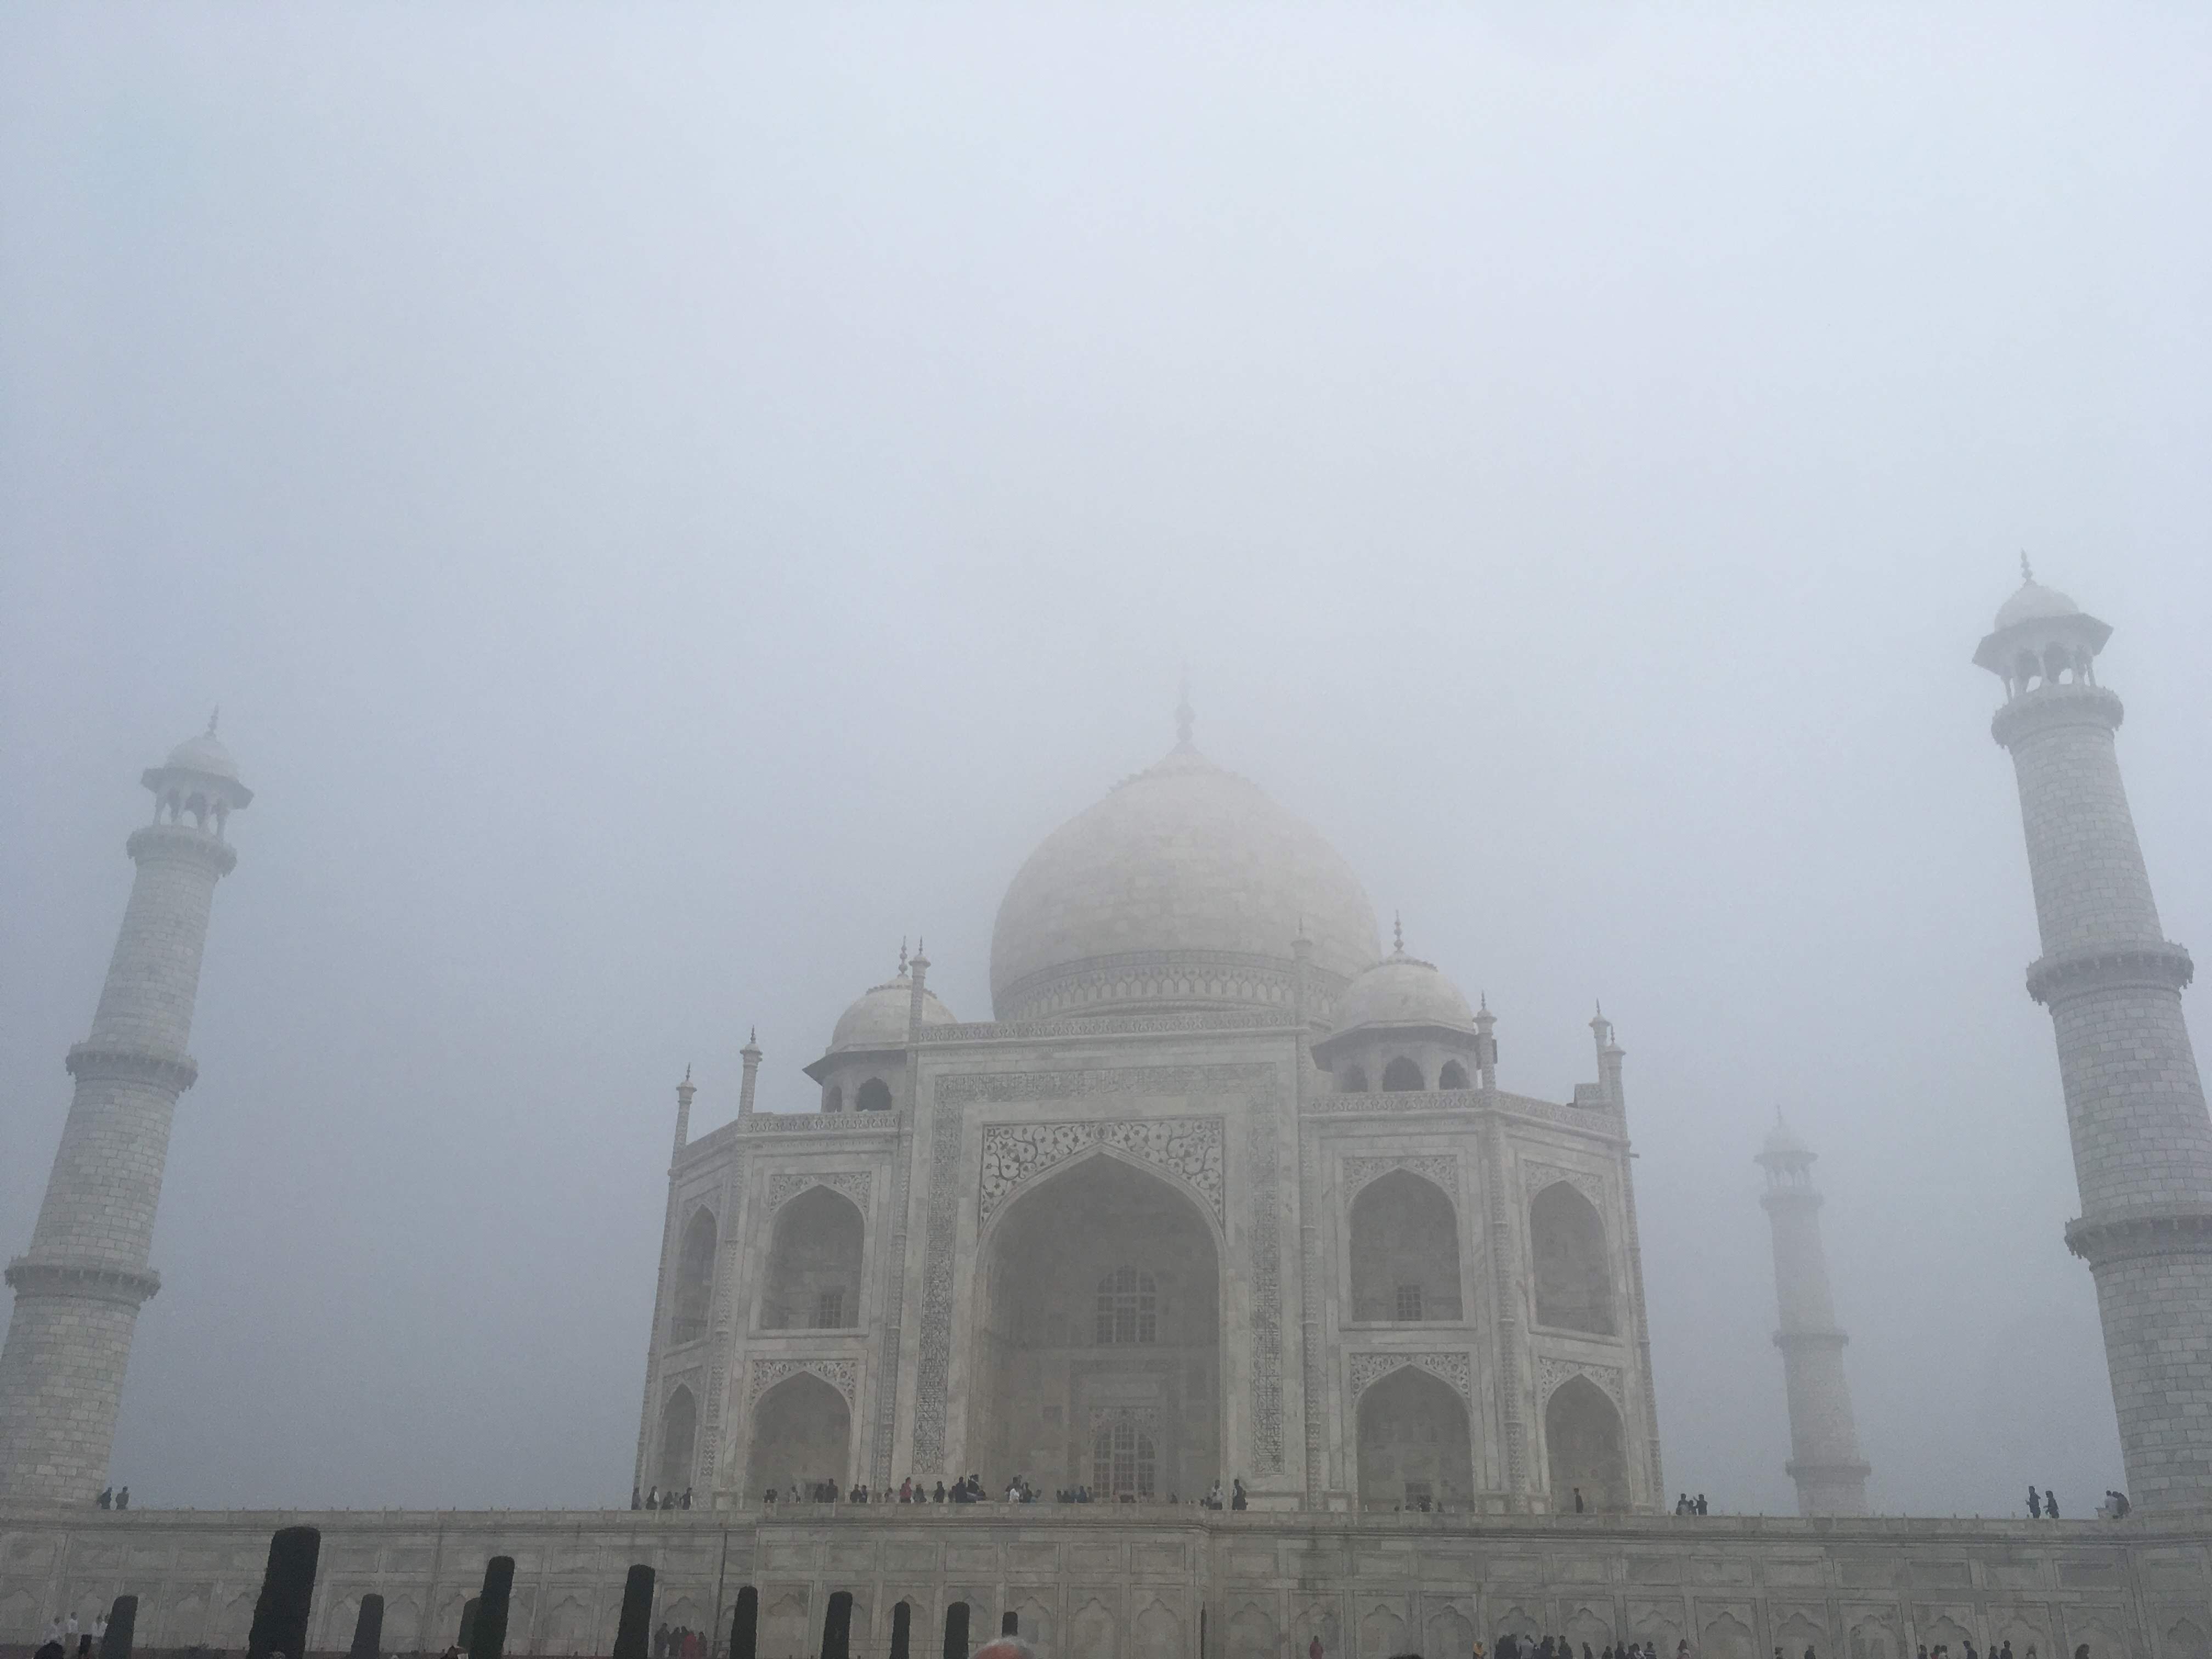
[[1509, 1646], [1313, 1649], [123, 1498], [1701, 1504], [107, 1498], [653, 1497], [1236, 1497], [636, 1503], [51, 1648], [1212, 1498], [687, 1497], [69, 1629], [100, 1631], [1006, 1647], [2050, 1504], [660, 1638], [768, 1496], [2034, 1504], [906, 1489], [1578, 1510], [939, 1497]]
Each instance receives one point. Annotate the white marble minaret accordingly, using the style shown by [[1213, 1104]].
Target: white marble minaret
[[2134, 1104], [1823, 1439], [79, 1287]]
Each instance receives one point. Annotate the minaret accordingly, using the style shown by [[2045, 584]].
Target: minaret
[[2134, 1104], [79, 1287], [1824, 1440]]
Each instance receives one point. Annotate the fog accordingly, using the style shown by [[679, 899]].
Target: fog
[[671, 502]]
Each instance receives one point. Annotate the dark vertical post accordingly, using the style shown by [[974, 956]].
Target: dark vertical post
[[488, 1639], [468, 1623], [287, 1590], [1010, 1624], [955, 1631], [121, 1621], [901, 1629], [368, 1628], [744, 1625], [634, 1636], [837, 1627]]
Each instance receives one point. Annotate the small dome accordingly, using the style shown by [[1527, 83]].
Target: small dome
[[1781, 1143], [878, 1019], [1403, 990], [205, 755], [2034, 603]]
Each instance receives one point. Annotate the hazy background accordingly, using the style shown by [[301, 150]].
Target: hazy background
[[669, 501]]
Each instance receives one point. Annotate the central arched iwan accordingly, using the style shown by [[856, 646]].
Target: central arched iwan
[[1098, 1324], [1414, 1447]]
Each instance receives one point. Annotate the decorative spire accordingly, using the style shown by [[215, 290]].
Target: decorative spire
[[1185, 717], [1397, 934], [214, 715], [902, 972], [2027, 571]]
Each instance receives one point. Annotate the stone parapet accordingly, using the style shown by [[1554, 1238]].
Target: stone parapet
[[102, 1281], [2153, 965]]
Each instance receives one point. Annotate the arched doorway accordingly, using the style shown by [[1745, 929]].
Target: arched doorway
[[1099, 1326], [814, 1264], [1585, 1446], [802, 1434], [1574, 1278], [1405, 1252], [1414, 1442], [679, 1432]]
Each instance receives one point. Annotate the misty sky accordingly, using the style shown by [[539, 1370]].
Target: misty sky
[[670, 502]]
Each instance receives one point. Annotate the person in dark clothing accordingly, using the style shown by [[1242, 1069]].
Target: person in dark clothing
[[939, 1497], [123, 1498], [1701, 1503], [2050, 1504], [2034, 1504], [660, 1642], [106, 1498], [1578, 1500], [1237, 1494]]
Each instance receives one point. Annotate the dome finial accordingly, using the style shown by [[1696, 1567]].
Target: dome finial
[[214, 715], [2026, 570], [901, 958], [1397, 934], [1185, 718]]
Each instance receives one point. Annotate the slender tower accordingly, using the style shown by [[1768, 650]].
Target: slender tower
[[1824, 1440], [79, 1287], [2135, 1105]]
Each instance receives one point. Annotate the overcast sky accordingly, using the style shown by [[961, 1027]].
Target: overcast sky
[[670, 502]]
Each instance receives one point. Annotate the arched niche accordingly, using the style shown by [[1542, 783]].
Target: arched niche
[[1405, 1252], [1573, 1269], [695, 1278], [680, 1435], [873, 1096], [801, 1435], [1403, 1076], [1098, 1309], [814, 1264], [1414, 1442], [1351, 1080], [1585, 1447], [1454, 1076]]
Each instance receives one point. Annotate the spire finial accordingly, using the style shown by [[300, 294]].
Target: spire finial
[[687, 1071], [752, 1035], [2027, 571], [1185, 717], [901, 958], [214, 715], [1397, 933]]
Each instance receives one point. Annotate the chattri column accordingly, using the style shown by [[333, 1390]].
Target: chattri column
[[1823, 1439], [2134, 1103], [79, 1287]]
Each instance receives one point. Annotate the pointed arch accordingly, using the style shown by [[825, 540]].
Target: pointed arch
[[1405, 1252], [1403, 1076], [679, 1434], [802, 1432], [695, 1278], [1454, 1076], [1414, 1447], [1585, 1447], [873, 1096], [814, 1263], [1573, 1265]]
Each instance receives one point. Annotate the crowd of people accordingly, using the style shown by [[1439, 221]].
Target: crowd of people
[[653, 1499], [679, 1642], [968, 1489]]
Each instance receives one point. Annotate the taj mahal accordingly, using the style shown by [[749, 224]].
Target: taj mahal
[[1224, 1193]]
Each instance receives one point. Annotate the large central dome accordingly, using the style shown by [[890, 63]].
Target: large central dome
[[1184, 887]]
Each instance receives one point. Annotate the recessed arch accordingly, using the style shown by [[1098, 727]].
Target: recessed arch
[[1403, 1076], [1454, 1076], [1352, 1080], [1573, 1268], [1069, 1340], [801, 1437], [833, 1098], [680, 1435], [1585, 1447], [1414, 1446], [814, 1260], [873, 1096], [1405, 1252], [695, 1278]]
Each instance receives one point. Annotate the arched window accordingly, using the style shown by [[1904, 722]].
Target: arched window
[[875, 1096], [1413, 1444], [1402, 1076], [1352, 1082], [1574, 1279], [679, 1427], [1454, 1076], [833, 1099], [1128, 1308], [814, 1264], [1124, 1462], [694, 1280], [802, 1438], [1584, 1440]]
